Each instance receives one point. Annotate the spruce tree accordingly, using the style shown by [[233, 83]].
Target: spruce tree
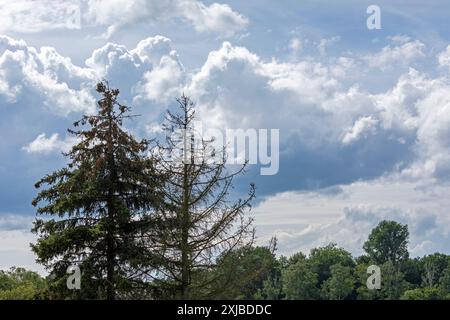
[[198, 222], [91, 212]]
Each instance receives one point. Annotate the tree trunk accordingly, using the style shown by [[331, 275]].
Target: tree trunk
[[185, 263], [110, 250], [110, 294]]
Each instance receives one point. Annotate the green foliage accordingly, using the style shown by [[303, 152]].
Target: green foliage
[[412, 270], [322, 259], [341, 283], [433, 266], [242, 274], [272, 288], [388, 242], [423, 294], [444, 281], [393, 283], [300, 281], [256, 273], [21, 284]]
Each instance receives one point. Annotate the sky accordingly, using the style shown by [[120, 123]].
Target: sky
[[363, 114]]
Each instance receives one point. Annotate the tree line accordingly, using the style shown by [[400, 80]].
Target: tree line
[[154, 219], [257, 273]]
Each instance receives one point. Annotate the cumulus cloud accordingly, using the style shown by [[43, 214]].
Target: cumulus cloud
[[322, 114], [340, 124], [45, 75], [43, 80], [42, 144], [217, 18], [150, 71], [236, 88], [153, 69]]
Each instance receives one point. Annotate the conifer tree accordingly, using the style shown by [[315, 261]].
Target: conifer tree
[[94, 207], [199, 222]]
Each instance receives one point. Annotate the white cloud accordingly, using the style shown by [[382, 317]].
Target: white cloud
[[444, 57], [325, 43], [319, 110], [15, 251], [42, 144], [303, 220], [45, 79], [364, 125], [400, 39], [154, 71], [15, 239], [45, 75], [9, 222], [30, 16], [400, 53], [217, 18], [296, 46], [235, 88]]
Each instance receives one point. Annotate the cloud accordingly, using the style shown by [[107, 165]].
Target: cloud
[[45, 75], [326, 112], [10, 222], [325, 43], [335, 124], [364, 125], [47, 79], [236, 88], [296, 46], [42, 144], [31, 16], [303, 220], [444, 57], [217, 18], [404, 53], [42, 80], [15, 239], [154, 70]]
